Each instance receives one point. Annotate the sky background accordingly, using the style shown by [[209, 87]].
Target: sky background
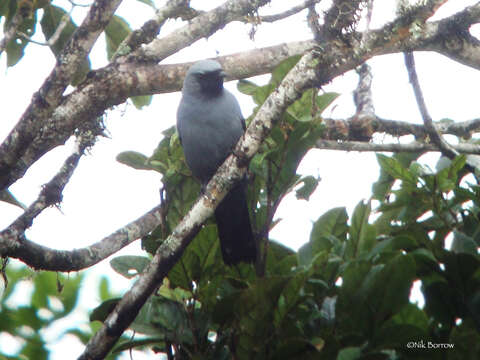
[[104, 195]]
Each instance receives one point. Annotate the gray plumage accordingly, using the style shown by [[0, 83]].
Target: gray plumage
[[210, 123]]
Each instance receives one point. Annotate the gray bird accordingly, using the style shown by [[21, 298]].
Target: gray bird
[[210, 123]]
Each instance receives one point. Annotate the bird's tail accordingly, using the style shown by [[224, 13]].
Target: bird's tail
[[234, 229]]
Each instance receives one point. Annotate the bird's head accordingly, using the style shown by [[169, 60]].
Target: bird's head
[[205, 77]]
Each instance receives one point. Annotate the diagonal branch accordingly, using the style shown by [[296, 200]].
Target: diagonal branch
[[435, 136], [203, 25], [43, 258]]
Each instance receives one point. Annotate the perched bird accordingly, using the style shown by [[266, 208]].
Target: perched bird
[[210, 123]]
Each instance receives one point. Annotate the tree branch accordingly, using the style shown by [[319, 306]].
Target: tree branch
[[451, 37], [204, 25], [43, 258], [435, 136], [149, 30], [411, 147], [283, 15]]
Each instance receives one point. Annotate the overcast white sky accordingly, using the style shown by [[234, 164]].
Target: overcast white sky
[[104, 195]]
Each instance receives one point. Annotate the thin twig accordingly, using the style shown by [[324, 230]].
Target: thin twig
[[294, 10], [79, 5], [61, 26], [149, 30], [29, 39], [435, 136], [373, 147]]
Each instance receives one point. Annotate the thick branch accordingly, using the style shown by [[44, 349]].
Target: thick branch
[[201, 26], [43, 258], [348, 129]]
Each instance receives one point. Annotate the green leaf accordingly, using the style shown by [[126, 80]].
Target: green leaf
[[332, 223], [129, 265], [362, 234], [283, 68], [201, 258], [390, 288], [104, 288], [324, 100], [115, 32], [15, 48], [301, 110], [400, 242], [163, 316], [440, 298], [463, 244], [310, 184], [70, 293], [350, 353], [289, 297], [101, 312], [305, 254], [141, 101], [247, 87], [294, 348], [134, 159], [395, 169], [412, 315], [132, 344]]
